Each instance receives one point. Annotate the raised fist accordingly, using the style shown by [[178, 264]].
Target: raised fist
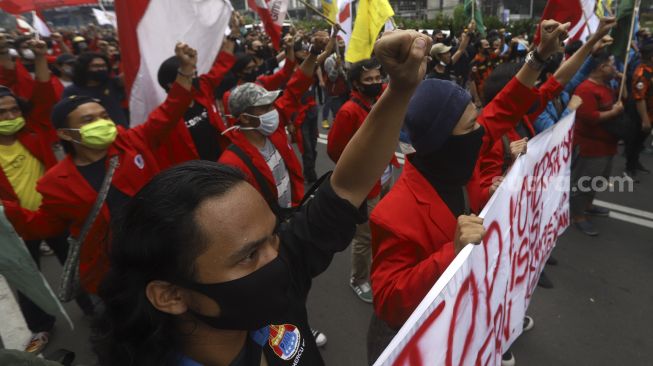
[[187, 57], [404, 55], [552, 34], [40, 48]]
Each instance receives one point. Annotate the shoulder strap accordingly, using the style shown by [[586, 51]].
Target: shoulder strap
[[69, 284], [99, 201], [507, 157], [258, 176], [361, 104], [468, 210]]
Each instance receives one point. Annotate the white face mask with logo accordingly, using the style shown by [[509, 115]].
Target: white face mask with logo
[[268, 123]]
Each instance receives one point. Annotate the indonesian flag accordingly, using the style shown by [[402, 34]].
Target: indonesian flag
[[23, 25], [272, 13], [580, 13], [40, 26], [149, 30], [345, 19]]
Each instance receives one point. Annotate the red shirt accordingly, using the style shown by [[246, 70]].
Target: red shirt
[[413, 229], [589, 135]]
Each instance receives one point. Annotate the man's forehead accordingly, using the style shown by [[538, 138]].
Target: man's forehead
[[8, 101]]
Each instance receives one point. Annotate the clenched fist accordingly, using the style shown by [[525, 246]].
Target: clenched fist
[[469, 230], [187, 58], [404, 55]]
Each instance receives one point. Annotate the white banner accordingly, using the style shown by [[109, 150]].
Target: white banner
[[476, 309]]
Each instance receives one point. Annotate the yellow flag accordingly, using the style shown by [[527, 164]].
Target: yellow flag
[[371, 17], [330, 9], [602, 7]]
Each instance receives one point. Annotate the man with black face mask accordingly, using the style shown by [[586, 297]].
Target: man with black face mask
[[430, 214], [366, 80], [92, 78]]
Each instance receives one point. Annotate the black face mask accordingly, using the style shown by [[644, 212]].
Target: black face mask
[[454, 163], [249, 77], [99, 76], [263, 53], [251, 302], [371, 90]]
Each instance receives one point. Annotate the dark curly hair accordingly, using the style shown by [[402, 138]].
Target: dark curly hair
[[155, 238], [80, 72]]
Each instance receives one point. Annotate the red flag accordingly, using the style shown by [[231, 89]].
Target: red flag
[[23, 6], [149, 30], [580, 13], [272, 13]]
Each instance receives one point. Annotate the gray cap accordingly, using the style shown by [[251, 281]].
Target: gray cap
[[250, 95]]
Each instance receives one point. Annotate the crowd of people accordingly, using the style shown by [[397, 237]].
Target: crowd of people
[[201, 228]]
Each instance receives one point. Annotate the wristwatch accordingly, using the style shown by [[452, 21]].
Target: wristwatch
[[535, 61]]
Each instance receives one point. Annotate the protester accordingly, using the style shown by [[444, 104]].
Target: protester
[[367, 88], [200, 136], [335, 84], [95, 144], [642, 93], [92, 79], [430, 214], [64, 68], [195, 303], [595, 146], [26, 141], [260, 146]]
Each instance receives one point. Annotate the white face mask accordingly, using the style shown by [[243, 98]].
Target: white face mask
[[28, 54], [268, 122]]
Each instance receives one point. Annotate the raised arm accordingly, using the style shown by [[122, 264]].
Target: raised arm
[[223, 63], [569, 68], [551, 33], [403, 55], [464, 42]]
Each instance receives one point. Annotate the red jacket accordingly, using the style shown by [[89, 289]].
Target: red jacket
[[180, 147], [348, 120], [592, 139], [286, 104], [269, 82], [68, 198], [492, 163], [38, 136], [413, 229]]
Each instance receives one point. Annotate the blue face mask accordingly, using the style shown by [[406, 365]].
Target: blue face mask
[[268, 122]]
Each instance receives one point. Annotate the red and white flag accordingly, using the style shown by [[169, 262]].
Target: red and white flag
[[39, 25], [272, 13], [345, 19], [22, 25], [149, 30], [580, 13]]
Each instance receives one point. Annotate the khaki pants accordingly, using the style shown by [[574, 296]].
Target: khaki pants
[[361, 245]]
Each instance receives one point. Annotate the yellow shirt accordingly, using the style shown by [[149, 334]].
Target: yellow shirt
[[22, 170]]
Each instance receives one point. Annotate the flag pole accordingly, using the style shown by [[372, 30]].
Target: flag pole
[[311, 7], [37, 36], [622, 87]]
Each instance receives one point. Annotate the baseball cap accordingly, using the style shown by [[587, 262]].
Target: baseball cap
[[250, 95], [439, 48]]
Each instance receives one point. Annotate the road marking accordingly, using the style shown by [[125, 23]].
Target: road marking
[[625, 209], [632, 219], [323, 138]]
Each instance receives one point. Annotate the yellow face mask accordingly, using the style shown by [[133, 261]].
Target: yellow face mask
[[98, 135], [9, 127]]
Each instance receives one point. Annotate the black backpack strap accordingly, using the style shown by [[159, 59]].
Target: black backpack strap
[[258, 176], [507, 156], [361, 104]]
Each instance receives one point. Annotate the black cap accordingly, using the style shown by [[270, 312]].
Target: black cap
[[65, 58], [168, 72], [62, 109]]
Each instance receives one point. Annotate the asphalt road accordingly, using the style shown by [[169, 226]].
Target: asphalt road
[[599, 312]]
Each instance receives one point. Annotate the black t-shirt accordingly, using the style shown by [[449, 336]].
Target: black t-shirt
[[322, 227], [94, 174], [204, 134]]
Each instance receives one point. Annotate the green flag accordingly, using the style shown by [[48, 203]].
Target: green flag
[[621, 32], [478, 16]]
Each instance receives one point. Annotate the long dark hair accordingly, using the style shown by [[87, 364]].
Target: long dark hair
[[80, 72], [155, 238]]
